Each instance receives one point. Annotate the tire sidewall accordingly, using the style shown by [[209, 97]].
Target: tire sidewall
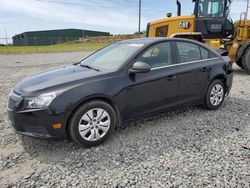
[[74, 122], [247, 61], [208, 103], [239, 63]]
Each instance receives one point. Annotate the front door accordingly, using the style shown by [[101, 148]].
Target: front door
[[157, 89]]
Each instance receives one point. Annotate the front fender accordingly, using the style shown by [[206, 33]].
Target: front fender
[[109, 89]]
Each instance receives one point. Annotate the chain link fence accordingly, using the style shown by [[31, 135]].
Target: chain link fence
[[57, 44], [40, 45]]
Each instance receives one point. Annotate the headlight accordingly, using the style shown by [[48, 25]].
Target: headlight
[[40, 101]]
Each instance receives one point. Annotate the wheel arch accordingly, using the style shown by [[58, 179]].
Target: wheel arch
[[221, 77], [103, 98]]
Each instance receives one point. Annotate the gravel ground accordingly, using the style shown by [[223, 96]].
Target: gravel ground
[[190, 147]]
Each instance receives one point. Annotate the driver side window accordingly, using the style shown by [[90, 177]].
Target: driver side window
[[157, 56]]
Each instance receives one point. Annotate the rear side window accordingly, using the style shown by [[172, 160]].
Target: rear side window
[[191, 52], [204, 53], [188, 52]]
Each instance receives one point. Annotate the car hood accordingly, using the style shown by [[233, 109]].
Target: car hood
[[55, 78]]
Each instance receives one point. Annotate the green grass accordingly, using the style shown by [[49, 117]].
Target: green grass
[[66, 47]]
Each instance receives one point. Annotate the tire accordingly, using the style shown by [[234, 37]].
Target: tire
[[215, 95], [92, 123], [239, 63], [246, 60]]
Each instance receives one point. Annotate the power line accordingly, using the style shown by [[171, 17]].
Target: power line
[[80, 4], [132, 2], [96, 6]]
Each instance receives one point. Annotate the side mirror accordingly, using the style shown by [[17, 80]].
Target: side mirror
[[140, 67]]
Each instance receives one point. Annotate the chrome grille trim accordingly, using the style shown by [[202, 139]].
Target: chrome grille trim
[[14, 99], [16, 93]]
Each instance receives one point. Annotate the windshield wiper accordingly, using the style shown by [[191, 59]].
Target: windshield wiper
[[89, 67]]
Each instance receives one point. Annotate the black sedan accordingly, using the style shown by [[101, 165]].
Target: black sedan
[[120, 82]]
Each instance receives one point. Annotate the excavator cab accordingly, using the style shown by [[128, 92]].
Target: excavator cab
[[212, 18]]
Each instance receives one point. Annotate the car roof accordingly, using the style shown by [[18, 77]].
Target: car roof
[[142, 40], [161, 39], [151, 40]]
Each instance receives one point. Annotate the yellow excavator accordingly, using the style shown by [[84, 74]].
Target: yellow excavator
[[211, 24]]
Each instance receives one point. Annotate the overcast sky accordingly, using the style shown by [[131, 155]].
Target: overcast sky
[[115, 16]]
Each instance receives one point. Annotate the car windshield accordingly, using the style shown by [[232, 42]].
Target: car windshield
[[112, 57]]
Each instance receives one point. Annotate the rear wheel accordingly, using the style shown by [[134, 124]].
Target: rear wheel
[[246, 60], [92, 123], [215, 95]]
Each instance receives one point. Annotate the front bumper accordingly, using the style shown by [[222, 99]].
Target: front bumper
[[35, 123], [33, 134]]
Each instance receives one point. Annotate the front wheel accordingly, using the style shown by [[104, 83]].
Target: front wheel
[[92, 123], [215, 95]]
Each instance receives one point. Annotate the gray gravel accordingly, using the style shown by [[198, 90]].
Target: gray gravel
[[190, 147]]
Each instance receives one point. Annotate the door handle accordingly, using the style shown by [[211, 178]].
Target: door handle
[[205, 69], [171, 77]]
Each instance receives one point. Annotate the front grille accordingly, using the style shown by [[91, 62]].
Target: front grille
[[11, 104], [16, 93]]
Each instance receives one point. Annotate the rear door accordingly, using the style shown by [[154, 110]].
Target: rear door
[[194, 64]]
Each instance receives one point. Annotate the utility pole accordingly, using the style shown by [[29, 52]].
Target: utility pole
[[61, 43], [36, 44], [139, 26], [83, 38], [6, 39], [247, 9]]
